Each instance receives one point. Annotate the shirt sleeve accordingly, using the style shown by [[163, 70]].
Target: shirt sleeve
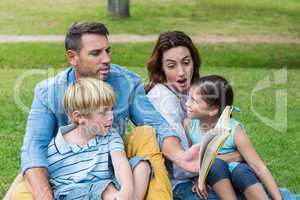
[[142, 112], [115, 142], [40, 128], [169, 107]]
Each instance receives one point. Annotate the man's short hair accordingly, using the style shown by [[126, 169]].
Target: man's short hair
[[75, 32], [88, 95]]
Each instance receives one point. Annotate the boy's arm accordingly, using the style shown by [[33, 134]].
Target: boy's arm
[[248, 152], [123, 173]]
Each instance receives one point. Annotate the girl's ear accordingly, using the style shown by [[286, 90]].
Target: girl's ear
[[73, 58], [214, 111]]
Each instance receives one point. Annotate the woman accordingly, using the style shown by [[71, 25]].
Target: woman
[[172, 68]]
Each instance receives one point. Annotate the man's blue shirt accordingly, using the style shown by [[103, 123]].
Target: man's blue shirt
[[47, 113]]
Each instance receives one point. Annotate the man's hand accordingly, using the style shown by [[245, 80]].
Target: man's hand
[[39, 183]]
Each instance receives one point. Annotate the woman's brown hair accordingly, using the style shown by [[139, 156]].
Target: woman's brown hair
[[166, 41]]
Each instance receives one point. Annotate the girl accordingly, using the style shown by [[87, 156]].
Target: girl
[[207, 99]]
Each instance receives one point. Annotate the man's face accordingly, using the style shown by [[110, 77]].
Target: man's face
[[94, 57]]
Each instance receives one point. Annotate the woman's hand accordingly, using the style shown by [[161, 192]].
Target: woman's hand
[[189, 160]]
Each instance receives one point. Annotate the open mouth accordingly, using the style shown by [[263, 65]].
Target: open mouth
[[182, 81], [107, 126]]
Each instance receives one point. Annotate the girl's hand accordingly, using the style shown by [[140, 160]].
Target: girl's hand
[[195, 188]]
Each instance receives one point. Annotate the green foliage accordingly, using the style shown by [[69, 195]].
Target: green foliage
[[45, 55]]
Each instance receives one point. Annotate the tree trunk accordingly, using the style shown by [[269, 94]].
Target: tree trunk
[[118, 8]]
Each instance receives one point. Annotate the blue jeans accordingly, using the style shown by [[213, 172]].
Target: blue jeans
[[243, 176], [219, 170], [183, 191]]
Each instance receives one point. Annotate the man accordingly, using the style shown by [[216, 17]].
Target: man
[[88, 52]]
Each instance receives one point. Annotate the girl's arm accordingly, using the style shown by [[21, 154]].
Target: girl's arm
[[248, 152], [123, 173]]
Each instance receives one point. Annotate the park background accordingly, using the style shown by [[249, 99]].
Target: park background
[[245, 65]]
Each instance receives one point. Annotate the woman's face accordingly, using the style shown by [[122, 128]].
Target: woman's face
[[178, 67]]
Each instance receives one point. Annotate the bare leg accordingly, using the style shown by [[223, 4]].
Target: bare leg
[[224, 189], [108, 192], [255, 192], [141, 177]]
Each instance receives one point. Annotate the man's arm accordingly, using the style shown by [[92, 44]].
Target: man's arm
[[39, 183], [40, 127]]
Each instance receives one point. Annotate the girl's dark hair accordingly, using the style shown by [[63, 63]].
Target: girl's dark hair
[[215, 91], [166, 41]]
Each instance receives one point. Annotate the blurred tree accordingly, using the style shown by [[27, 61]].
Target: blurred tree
[[118, 8]]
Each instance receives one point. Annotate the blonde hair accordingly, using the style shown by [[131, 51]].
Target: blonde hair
[[88, 95]]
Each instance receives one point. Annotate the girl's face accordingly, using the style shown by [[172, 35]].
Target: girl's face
[[197, 108], [178, 67]]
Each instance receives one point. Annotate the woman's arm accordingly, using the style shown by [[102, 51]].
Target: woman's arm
[[123, 173], [187, 160], [248, 152]]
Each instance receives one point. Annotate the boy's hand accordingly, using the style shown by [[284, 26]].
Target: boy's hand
[[121, 195]]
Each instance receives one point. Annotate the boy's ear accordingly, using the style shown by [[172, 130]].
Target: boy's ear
[[73, 57], [76, 117]]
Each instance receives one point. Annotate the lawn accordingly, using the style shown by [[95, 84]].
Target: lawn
[[196, 17], [244, 65]]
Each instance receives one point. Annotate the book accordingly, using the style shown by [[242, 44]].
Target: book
[[211, 143]]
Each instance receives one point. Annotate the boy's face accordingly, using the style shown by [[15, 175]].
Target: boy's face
[[100, 121]]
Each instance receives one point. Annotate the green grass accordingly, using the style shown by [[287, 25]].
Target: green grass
[[243, 65], [197, 17], [45, 55]]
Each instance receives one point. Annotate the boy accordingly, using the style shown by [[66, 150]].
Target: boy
[[80, 155]]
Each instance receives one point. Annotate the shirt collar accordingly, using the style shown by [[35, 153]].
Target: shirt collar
[[59, 141], [64, 147], [71, 76]]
